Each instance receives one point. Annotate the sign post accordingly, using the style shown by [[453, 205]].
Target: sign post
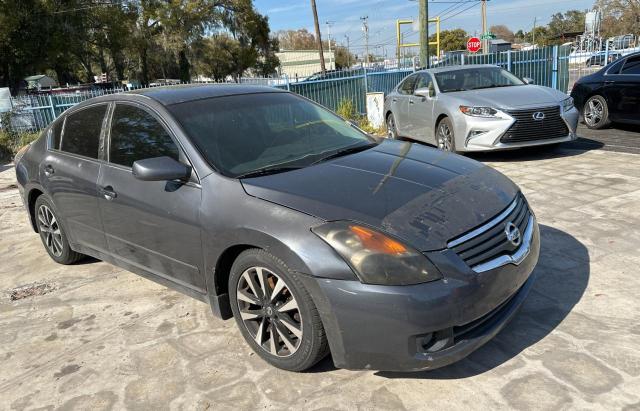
[[474, 44]]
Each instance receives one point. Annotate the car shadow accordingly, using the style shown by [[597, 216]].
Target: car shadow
[[562, 277], [5, 165]]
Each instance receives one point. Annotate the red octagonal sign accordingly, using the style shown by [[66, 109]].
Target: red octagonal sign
[[474, 44]]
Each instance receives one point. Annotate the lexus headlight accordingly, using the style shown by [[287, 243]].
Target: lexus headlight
[[479, 111], [375, 257], [567, 104]]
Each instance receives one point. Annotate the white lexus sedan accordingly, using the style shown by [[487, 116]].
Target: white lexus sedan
[[478, 108]]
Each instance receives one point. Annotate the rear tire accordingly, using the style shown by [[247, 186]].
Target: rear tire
[[595, 113], [52, 234], [392, 131], [267, 300]]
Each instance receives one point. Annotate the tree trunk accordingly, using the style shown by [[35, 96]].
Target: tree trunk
[[144, 67], [185, 67]]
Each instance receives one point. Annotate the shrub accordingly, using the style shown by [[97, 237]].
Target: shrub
[[12, 140], [347, 110]]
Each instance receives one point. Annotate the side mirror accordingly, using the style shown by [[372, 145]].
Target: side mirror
[[425, 92], [529, 80], [160, 169]]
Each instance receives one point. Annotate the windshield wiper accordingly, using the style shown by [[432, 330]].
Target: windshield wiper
[[268, 170], [345, 151]]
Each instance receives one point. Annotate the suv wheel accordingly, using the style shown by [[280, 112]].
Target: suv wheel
[[275, 313]]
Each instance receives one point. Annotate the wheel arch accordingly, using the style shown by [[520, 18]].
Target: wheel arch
[[31, 196], [220, 266]]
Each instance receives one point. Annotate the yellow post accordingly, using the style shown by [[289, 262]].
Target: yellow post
[[400, 23]]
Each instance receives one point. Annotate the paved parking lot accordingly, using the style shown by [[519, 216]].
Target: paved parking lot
[[102, 338]]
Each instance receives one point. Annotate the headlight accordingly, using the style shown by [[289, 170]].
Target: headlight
[[567, 104], [375, 257], [479, 111]]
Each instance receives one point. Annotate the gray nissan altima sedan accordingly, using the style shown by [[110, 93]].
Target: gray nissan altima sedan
[[315, 237], [478, 108]]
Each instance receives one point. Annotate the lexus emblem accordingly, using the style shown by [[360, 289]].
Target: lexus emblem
[[538, 115], [513, 234]]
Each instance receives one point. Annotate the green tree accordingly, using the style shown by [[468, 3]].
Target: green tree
[[502, 32], [619, 16], [451, 40], [569, 22]]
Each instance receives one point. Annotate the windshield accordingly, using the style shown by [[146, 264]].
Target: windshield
[[475, 79], [252, 133]]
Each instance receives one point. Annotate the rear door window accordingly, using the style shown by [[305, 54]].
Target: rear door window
[[136, 135], [631, 66], [82, 131]]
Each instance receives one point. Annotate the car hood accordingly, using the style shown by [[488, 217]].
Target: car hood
[[422, 196], [511, 97]]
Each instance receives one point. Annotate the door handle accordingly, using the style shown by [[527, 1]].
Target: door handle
[[48, 170], [412, 102], [395, 100], [108, 193]]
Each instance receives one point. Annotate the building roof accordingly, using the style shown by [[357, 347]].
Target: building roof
[[168, 95], [36, 77]]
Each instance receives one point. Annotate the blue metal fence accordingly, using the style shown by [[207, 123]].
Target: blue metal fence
[[546, 66]]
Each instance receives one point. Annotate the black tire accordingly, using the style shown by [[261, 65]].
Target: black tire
[[392, 130], [595, 113], [52, 233], [442, 141], [310, 347]]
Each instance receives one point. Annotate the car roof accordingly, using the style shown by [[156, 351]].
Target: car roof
[[458, 67], [168, 95]]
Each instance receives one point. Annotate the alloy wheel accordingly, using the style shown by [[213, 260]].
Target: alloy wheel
[[50, 230], [269, 311], [445, 137], [594, 112]]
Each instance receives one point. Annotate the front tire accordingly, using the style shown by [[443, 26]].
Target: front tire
[[596, 113], [52, 234], [445, 138], [275, 312]]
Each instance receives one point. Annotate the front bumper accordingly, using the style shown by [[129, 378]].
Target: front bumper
[[494, 128], [424, 326]]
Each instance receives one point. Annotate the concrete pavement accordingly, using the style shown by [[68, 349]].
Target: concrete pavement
[[96, 337]]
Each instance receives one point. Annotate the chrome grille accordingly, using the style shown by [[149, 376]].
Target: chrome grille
[[527, 128], [489, 241]]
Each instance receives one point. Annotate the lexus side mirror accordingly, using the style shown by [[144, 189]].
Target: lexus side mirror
[[160, 169], [425, 92], [529, 80]]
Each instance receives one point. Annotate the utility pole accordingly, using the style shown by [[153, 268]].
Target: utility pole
[[365, 29], [535, 20], [423, 21], [329, 23], [318, 37], [485, 41], [348, 52]]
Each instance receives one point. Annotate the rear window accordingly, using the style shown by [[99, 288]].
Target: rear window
[[82, 131]]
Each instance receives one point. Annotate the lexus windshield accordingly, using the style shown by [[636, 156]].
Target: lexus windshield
[[255, 134], [475, 79]]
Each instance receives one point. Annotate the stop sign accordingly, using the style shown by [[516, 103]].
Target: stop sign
[[474, 44]]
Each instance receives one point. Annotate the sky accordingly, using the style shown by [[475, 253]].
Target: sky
[[344, 17]]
